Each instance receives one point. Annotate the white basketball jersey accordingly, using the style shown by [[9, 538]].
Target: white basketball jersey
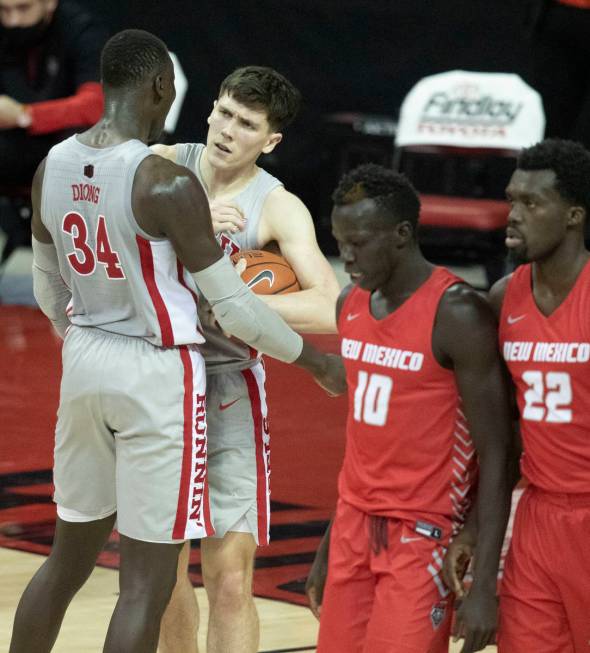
[[122, 279], [222, 353]]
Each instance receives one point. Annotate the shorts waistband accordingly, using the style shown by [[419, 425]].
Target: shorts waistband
[[121, 337], [563, 499]]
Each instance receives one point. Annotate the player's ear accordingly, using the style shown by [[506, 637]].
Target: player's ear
[[159, 86], [577, 216], [273, 140], [404, 232]]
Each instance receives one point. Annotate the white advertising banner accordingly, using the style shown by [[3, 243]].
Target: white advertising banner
[[470, 109]]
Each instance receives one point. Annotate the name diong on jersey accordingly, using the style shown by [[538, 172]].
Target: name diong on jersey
[[547, 352], [391, 357]]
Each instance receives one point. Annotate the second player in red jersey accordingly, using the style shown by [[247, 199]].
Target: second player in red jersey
[[543, 309]]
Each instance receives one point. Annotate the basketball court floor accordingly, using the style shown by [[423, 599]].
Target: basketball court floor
[[307, 445]]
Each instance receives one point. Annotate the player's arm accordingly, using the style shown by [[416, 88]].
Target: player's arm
[[496, 299], [462, 548], [287, 221], [316, 579], [465, 339], [49, 288], [169, 202]]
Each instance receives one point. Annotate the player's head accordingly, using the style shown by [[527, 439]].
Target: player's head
[[374, 221], [136, 64], [25, 21], [253, 106], [550, 197]]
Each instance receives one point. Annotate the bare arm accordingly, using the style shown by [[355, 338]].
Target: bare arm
[[466, 340], [287, 221]]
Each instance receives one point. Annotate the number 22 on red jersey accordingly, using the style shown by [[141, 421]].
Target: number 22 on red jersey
[[548, 398]]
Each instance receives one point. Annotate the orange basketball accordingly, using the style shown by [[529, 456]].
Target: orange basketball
[[266, 273]]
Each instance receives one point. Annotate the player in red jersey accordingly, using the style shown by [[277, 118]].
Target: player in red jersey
[[544, 333], [426, 392]]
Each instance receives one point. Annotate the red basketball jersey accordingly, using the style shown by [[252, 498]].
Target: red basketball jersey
[[548, 358], [408, 448]]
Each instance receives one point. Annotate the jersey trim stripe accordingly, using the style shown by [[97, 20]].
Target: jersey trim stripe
[[149, 277], [206, 509], [262, 489], [182, 509]]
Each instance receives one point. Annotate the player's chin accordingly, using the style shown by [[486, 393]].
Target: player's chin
[[367, 284], [519, 255], [358, 279]]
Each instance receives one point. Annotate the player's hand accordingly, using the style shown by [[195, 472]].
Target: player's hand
[[226, 216], [457, 560], [332, 378], [316, 581], [476, 620]]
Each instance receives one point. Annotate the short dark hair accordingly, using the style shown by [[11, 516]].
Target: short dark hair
[[569, 160], [130, 56], [391, 191], [258, 87]]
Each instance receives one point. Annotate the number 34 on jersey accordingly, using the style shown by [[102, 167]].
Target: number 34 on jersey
[[84, 258]]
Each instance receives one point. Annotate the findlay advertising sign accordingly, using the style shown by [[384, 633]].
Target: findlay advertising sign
[[465, 109]]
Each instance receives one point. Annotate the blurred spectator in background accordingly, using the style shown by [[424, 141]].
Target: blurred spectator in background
[[49, 88], [49, 80], [560, 32]]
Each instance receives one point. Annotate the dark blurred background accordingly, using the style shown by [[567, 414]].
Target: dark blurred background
[[344, 55]]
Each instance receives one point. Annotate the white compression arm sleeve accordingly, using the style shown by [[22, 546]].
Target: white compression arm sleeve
[[241, 313], [51, 293]]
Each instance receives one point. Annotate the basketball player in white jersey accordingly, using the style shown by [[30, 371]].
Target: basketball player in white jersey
[[121, 239], [250, 209]]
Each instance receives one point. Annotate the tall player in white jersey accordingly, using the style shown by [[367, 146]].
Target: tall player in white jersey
[[250, 209], [121, 239]]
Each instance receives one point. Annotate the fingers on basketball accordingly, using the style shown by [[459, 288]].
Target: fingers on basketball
[[267, 273]]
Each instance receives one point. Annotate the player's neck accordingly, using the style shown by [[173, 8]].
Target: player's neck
[[558, 273], [225, 183], [407, 277], [118, 124]]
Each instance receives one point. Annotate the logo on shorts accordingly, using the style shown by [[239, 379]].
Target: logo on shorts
[[226, 406], [437, 614]]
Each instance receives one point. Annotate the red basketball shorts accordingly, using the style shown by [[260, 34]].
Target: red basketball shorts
[[385, 601], [545, 592]]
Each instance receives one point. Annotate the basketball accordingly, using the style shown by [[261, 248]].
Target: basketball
[[266, 273]]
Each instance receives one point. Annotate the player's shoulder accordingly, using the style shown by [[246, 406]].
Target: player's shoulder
[[280, 200], [497, 293], [342, 297], [462, 307], [158, 178], [284, 214], [165, 151]]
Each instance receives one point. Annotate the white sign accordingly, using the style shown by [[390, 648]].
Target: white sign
[[467, 109]]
